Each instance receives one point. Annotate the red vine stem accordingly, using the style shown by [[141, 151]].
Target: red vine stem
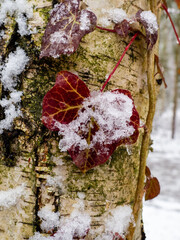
[[166, 10], [106, 29], [127, 47]]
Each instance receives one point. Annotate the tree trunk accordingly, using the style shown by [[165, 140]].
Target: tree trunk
[[30, 152], [175, 98]]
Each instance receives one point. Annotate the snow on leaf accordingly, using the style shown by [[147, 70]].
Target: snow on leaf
[[92, 125], [152, 188], [63, 101], [122, 28], [149, 21], [66, 26]]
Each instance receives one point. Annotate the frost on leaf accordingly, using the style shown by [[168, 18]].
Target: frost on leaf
[[92, 125], [149, 21], [152, 186], [66, 26]]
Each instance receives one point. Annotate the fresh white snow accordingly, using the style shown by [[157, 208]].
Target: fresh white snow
[[162, 214], [85, 23], [9, 71], [151, 20], [13, 66], [11, 197], [76, 225], [18, 8], [118, 220], [49, 219]]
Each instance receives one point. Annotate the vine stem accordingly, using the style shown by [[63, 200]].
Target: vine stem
[[126, 49], [145, 143], [106, 29], [166, 10]]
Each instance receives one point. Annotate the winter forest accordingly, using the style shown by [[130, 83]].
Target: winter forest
[[89, 119]]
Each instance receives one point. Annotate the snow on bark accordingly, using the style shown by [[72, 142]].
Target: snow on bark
[[117, 222], [50, 220], [9, 71], [11, 197], [21, 9], [76, 225]]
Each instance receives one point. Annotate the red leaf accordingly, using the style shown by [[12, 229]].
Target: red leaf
[[62, 102], [66, 26], [148, 172], [122, 28], [152, 188], [148, 20], [102, 121]]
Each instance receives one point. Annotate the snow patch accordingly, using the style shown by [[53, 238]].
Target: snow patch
[[11, 110], [151, 20], [117, 15], [11, 197], [59, 37], [50, 220], [74, 226], [85, 23], [9, 71], [118, 220], [13, 66], [55, 181], [20, 9]]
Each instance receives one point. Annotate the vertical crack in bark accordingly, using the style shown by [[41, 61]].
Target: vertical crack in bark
[[37, 194]]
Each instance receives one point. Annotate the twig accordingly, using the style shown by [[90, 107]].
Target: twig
[[166, 10], [159, 70], [127, 47], [106, 29]]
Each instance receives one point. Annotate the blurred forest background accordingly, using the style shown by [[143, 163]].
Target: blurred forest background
[[162, 215]]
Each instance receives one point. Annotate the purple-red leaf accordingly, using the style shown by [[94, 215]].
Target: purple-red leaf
[[123, 28], [148, 20], [152, 188], [62, 102], [66, 26]]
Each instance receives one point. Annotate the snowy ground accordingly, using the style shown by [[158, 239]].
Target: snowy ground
[[162, 215]]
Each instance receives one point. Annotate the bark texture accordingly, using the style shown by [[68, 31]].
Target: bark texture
[[30, 153]]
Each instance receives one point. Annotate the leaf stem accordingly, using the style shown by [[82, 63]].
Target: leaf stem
[[127, 47], [106, 29], [166, 10]]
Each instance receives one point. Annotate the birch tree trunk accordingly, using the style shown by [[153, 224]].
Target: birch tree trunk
[[29, 151]]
